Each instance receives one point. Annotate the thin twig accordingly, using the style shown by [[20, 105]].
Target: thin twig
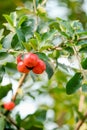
[[14, 123], [43, 2], [82, 97], [81, 102], [54, 48], [34, 4], [79, 61], [19, 85], [82, 38], [35, 11], [82, 71], [10, 120], [80, 122]]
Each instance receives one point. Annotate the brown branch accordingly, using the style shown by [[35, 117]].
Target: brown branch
[[34, 4], [19, 85], [10, 120], [35, 11], [82, 38], [81, 102], [54, 48], [80, 122], [82, 97]]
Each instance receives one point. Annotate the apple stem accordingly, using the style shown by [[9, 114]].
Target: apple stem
[[19, 85]]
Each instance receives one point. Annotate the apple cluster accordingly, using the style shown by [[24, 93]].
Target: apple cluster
[[30, 61], [25, 63]]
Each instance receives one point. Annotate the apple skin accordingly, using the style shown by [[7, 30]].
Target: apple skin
[[9, 105], [22, 68], [30, 60], [40, 67]]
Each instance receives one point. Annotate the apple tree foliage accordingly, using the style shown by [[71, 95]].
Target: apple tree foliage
[[62, 45]]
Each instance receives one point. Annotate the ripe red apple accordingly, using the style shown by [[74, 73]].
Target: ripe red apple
[[9, 105], [19, 58], [30, 60], [22, 68], [40, 67]]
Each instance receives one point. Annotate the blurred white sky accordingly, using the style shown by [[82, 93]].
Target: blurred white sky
[[54, 10]]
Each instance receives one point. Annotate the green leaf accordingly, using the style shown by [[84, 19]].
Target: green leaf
[[37, 2], [77, 26], [9, 20], [48, 36], [21, 20], [69, 49], [55, 54], [3, 55], [84, 87], [84, 63], [74, 83], [11, 67], [23, 11], [13, 17], [4, 90], [46, 47], [2, 123], [14, 41], [37, 36], [27, 28], [1, 33], [7, 40], [82, 33], [18, 119], [49, 68], [40, 115], [55, 25], [42, 56], [83, 49], [37, 120], [82, 42], [33, 43], [25, 123], [26, 45], [20, 35], [66, 28], [6, 57], [2, 71]]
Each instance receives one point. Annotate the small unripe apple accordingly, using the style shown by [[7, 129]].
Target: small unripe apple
[[40, 67], [22, 68], [9, 105], [30, 60]]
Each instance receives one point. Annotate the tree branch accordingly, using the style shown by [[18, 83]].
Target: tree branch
[[80, 122], [82, 38], [10, 120], [35, 11], [34, 4], [82, 97], [54, 48], [79, 61], [81, 102], [19, 85]]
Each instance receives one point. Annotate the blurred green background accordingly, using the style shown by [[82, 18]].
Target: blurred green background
[[76, 8]]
